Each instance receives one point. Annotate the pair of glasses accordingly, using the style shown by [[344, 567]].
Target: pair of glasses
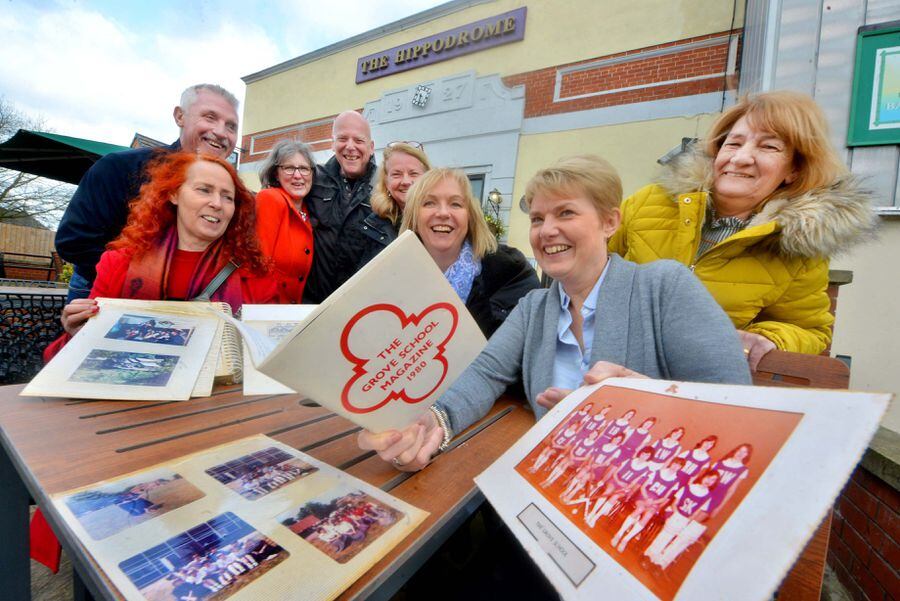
[[291, 170], [417, 145]]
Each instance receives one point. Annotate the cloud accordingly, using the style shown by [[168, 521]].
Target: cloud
[[94, 77], [104, 70]]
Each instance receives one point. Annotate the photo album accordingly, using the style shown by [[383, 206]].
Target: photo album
[[142, 350], [656, 490], [252, 516], [395, 331]]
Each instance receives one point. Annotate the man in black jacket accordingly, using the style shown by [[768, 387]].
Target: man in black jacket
[[207, 117], [339, 205]]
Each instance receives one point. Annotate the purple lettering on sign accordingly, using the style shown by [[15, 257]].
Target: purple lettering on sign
[[474, 37]]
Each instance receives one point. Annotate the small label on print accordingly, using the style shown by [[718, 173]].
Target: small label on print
[[570, 559]]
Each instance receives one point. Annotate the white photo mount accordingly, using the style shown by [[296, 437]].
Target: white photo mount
[[757, 542]]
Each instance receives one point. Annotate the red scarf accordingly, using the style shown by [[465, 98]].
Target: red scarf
[[147, 278]]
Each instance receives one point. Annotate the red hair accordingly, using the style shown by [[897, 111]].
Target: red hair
[[152, 213]]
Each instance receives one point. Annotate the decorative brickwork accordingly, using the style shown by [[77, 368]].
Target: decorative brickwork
[[681, 68], [316, 133], [686, 67], [864, 549]]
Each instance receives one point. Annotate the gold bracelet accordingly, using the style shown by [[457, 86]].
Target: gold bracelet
[[444, 422]]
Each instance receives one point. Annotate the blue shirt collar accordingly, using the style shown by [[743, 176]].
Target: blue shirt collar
[[590, 303]]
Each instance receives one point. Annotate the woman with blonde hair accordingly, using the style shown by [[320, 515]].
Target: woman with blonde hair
[[756, 211], [402, 163], [489, 278], [602, 317]]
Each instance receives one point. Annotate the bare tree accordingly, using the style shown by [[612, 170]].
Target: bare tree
[[22, 194]]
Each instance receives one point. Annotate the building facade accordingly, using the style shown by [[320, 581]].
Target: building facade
[[501, 88]]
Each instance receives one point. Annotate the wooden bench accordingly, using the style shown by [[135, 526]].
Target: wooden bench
[[779, 368], [24, 266]]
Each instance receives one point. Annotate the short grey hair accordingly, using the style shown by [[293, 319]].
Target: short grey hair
[[283, 149], [190, 95]]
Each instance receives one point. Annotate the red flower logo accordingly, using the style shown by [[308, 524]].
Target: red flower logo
[[394, 355]]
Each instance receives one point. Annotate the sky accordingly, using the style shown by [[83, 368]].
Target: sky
[[105, 69]]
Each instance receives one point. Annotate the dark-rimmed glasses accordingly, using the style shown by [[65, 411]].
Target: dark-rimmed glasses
[[291, 170]]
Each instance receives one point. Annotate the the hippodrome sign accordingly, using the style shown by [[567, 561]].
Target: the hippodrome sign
[[395, 355]]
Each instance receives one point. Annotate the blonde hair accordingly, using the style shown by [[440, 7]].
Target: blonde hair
[[799, 122], [479, 235], [382, 202], [585, 174]]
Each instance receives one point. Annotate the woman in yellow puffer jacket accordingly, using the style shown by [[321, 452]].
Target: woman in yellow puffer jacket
[[756, 213]]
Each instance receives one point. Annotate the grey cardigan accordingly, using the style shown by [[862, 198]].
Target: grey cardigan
[[656, 319]]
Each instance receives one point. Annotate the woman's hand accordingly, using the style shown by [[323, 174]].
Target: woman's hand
[[550, 397], [409, 449], [76, 313], [755, 347], [604, 369]]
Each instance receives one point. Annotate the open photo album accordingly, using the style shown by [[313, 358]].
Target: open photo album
[[254, 517], [379, 351], [144, 351], [647, 489]]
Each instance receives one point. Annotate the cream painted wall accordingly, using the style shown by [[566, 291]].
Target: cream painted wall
[[556, 33], [632, 148], [868, 326], [250, 179]]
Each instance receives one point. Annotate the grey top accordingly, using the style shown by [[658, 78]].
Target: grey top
[[656, 319]]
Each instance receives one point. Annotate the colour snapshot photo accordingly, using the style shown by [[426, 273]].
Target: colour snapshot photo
[[125, 368], [115, 506], [341, 523], [255, 475], [652, 478], [153, 330], [212, 560]]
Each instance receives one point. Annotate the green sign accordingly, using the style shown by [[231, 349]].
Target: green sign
[[875, 105]]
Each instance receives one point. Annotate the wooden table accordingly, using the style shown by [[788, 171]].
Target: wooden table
[[53, 445]]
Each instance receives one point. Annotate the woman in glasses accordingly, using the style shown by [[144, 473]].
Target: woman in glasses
[[282, 223], [489, 278]]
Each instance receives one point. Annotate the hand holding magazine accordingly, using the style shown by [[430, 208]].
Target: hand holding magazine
[[383, 347], [649, 489]]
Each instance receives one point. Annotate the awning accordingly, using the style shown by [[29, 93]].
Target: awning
[[62, 158]]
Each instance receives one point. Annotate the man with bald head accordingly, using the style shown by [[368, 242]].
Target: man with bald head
[[347, 233]]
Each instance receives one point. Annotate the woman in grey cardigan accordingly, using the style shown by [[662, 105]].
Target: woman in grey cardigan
[[602, 317]]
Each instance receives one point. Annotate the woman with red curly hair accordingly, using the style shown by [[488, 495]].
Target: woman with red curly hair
[[192, 221]]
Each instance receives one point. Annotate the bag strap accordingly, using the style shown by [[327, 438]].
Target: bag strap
[[216, 282]]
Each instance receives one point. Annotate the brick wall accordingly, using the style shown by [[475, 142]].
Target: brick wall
[[686, 67], [680, 68], [864, 549], [316, 133]]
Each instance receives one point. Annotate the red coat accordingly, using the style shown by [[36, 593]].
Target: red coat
[[110, 283], [286, 236]]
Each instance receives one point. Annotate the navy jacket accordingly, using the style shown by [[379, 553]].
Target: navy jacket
[[99, 208], [346, 234]]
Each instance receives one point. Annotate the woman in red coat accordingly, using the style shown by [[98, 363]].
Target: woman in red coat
[[282, 223], [192, 221]]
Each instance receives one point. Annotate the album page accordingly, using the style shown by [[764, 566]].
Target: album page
[[134, 350], [252, 519], [274, 322], [647, 489]]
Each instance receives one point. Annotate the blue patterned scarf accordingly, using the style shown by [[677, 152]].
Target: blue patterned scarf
[[463, 271]]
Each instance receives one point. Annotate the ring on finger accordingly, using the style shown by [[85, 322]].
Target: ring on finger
[[746, 351], [396, 461]]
